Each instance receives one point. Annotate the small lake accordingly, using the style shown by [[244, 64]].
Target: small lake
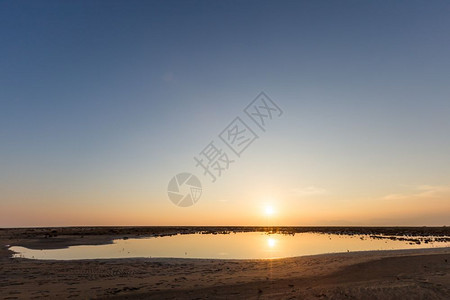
[[243, 245]]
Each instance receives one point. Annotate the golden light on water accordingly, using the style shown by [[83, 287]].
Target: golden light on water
[[271, 242]]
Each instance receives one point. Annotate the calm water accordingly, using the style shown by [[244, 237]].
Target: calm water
[[246, 245]]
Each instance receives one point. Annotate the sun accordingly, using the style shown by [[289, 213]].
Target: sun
[[268, 210]]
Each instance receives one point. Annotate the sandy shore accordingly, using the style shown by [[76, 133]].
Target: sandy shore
[[408, 274]]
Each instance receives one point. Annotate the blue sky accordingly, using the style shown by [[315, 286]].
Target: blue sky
[[104, 101]]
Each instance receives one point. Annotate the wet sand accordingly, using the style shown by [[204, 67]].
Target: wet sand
[[409, 274]]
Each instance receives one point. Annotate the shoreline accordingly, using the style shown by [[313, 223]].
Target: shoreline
[[376, 274], [416, 251], [63, 237], [381, 274]]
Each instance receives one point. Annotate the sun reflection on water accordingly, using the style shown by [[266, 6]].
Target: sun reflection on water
[[271, 242], [242, 245]]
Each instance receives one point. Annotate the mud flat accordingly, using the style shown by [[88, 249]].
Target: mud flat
[[408, 274]]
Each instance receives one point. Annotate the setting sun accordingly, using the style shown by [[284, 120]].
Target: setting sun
[[268, 210]]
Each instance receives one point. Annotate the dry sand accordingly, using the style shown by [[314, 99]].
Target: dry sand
[[407, 274]]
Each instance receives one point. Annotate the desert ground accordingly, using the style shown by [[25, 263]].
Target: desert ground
[[407, 274]]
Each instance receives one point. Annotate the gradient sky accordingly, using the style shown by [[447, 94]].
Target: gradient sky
[[102, 102]]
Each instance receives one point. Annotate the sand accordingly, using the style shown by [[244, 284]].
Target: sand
[[408, 274]]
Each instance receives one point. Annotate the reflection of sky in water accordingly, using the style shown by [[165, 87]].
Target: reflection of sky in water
[[235, 245]]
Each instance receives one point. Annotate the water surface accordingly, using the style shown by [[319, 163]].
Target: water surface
[[244, 245]]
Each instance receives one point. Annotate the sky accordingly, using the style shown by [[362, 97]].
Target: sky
[[104, 102]]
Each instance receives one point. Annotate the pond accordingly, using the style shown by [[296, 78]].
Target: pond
[[243, 245]]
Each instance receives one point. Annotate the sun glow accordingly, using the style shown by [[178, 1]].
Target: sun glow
[[268, 210]]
